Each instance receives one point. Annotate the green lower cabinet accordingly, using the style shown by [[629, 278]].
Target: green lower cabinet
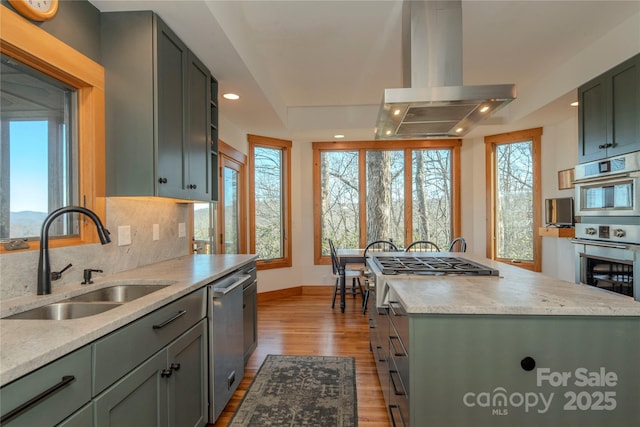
[[169, 389], [82, 418], [188, 385], [50, 394], [139, 399]]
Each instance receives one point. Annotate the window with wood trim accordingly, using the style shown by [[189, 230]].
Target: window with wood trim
[[270, 201], [77, 168], [513, 190], [398, 190]]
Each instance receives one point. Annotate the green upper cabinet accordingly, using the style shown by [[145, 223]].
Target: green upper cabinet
[[609, 113], [158, 111]]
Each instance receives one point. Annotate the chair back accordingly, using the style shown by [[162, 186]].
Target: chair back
[[422, 246], [458, 245], [380, 246], [334, 257]]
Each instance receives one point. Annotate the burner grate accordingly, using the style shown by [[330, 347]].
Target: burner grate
[[421, 265]]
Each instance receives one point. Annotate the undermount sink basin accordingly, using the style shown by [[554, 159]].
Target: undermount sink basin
[[118, 293], [64, 311]]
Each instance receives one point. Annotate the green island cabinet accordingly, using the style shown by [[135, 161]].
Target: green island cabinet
[[609, 113], [151, 372], [161, 111]]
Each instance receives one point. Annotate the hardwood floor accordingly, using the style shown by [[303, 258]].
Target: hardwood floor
[[306, 325]]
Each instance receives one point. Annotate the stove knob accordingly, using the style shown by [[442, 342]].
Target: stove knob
[[618, 232], [590, 230]]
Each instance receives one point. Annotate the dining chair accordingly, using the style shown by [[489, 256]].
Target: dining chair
[[356, 285], [458, 245], [422, 246], [375, 246]]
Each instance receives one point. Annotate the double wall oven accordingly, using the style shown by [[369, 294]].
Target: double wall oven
[[607, 237]]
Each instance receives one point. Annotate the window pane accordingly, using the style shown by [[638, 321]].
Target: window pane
[[231, 212], [268, 203], [202, 226], [514, 201], [339, 199], [431, 172], [38, 154], [385, 195]]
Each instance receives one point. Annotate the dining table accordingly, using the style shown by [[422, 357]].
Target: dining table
[[347, 256]]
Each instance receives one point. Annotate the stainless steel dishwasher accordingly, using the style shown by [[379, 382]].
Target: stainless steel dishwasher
[[226, 339]]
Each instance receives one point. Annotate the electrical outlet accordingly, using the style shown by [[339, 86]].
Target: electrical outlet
[[156, 231], [124, 235], [182, 229]]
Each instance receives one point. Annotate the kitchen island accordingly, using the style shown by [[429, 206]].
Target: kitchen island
[[519, 348]]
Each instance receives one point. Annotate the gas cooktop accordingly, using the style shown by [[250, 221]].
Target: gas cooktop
[[431, 265]]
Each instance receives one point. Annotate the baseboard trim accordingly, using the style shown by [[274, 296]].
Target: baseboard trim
[[295, 291]]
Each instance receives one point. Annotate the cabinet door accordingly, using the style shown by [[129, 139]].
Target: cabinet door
[[139, 399], [250, 321], [592, 120], [82, 418], [50, 394], [172, 59], [625, 123], [198, 149], [188, 384]]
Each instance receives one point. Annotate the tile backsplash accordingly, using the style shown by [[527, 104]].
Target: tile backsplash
[[18, 270]]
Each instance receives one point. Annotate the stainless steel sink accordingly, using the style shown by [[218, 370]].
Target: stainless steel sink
[[64, 311], [119, 293]]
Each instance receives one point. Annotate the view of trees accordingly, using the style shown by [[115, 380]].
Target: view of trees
[[386, 202], [268, 202], [514, 201]]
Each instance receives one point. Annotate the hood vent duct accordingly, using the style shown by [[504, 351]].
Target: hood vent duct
[[433, 102]]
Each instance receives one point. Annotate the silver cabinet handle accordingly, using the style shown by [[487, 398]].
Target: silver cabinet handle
[[66, 380]]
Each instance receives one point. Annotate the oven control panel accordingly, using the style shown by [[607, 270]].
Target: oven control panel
[[623, 233]]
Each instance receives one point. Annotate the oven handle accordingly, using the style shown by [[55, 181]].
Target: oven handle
[[606, 178], [602, 244]]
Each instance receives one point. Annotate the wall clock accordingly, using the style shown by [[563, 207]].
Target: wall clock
[[36, 10]]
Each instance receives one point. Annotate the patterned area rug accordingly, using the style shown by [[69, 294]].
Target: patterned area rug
[[301, 391]]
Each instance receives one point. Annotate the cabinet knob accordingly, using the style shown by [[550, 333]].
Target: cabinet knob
[[166, 373], [162, 180], [192, 186], [175, 367], [528, 363]]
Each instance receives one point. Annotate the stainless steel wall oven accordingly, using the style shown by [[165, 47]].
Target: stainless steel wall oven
[[607, 242]]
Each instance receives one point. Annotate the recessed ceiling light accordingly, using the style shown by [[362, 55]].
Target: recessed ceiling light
[[574, 104], [484, 109], [388, 132], [231, 96], [396, 112], [338, 136], [459, 130]]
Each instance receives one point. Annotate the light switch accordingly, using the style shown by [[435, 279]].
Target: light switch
[[124, 235], [156, 231], [182, 229]]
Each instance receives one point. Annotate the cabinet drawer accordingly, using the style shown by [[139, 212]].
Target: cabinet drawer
[[56, 390], [124, 349]]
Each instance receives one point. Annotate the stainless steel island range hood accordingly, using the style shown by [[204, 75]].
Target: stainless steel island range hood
[[433, 103]]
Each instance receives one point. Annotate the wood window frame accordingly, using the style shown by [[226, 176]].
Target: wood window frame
[[31, 45], [395, 145], [491, 142], [285, 147], [229, 156]]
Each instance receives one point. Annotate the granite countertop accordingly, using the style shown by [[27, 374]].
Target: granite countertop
[[515, 291], [26, 345]]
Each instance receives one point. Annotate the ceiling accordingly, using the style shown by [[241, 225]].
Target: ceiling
[[307, 70]]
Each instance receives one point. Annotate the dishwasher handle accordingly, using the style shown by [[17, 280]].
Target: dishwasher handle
[[221, 289]]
